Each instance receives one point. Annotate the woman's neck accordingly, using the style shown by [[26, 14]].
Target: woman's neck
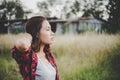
[[41, 51]]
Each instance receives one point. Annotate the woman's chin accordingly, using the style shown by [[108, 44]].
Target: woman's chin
[[49, 43]]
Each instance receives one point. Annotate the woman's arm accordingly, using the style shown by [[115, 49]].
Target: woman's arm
[[23, 44], [20, 51]]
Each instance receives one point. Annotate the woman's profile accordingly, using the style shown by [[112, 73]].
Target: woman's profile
[[33, 54]]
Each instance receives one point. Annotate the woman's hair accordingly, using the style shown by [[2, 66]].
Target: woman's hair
[[33, 26]]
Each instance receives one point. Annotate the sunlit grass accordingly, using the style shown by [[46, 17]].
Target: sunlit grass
[[87, 56], [79, 57]]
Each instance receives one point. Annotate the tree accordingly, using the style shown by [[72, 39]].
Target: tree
[[74, 8], [11, 8], [46, 7], [87, 7], [58, 8], [102, 8], [113, 8]]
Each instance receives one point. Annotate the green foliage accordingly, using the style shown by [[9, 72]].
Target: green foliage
[[98, 8], [8, 69], [114, 14], [76, 7], [11, 8], [65, 27], [16, 30], [45, 7]]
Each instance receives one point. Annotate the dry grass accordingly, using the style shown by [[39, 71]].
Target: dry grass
[[80, 57]]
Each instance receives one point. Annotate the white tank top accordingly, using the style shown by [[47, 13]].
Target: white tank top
[[44, 71]]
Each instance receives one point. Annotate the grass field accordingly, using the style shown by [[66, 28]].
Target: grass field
[[79, 57]]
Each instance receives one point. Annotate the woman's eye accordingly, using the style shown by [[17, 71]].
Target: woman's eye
[[47, 29]]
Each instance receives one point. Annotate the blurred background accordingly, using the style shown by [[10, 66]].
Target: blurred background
[[87, 43]]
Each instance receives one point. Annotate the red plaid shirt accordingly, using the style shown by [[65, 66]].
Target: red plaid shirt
[[27, 62]]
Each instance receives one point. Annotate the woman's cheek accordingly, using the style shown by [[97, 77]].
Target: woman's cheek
[[45, 39]]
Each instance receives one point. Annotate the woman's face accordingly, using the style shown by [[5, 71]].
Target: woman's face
[[46, 35]]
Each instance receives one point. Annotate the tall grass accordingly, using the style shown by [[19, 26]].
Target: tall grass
[[79, 57], [88, 56]]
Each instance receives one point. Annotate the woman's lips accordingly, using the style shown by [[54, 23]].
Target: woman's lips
[[52, 38]]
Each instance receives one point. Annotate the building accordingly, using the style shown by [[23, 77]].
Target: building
[[79, 25], [59, 26]]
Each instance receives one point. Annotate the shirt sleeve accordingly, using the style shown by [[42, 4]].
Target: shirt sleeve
[[21, 57]]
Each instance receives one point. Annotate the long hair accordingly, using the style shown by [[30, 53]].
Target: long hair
[[33, 26]]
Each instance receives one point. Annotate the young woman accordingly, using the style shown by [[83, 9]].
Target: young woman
[[33, 53]]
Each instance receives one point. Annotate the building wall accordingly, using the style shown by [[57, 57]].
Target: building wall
[[80, 26]]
